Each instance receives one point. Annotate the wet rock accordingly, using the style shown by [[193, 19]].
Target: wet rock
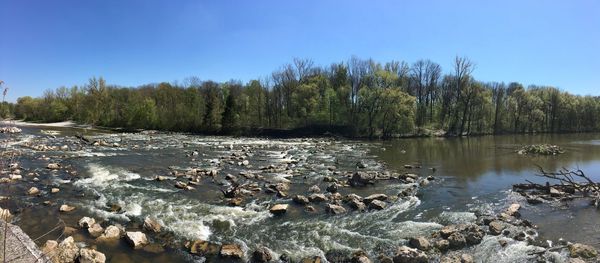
[[300, 199], [361, 165], [496, 227], [473, 234], [33, 191], [314, 189], [154, 248], [442, 245], [261, 255], [54, 190], [160, 178], [87, 255], [69, 230], [360, 257], [66, 208], [231, 251], [463, 258], [377, 205], [405, 254], [278, 209], [332, 188], [502, 242], [457, 240], [136, 239], [370, 198], [357, 205], [5, 215], [310, 260], [67, 251], [310, 209], [49, 247], [110, 233], [53, 166], [578, 250], [203, 248], [315, 198], [446, 231], [236, 201], [86, 222], [361, 179], [15, 177], [513, 210], [95, 230], [152, 225], [419, 243], [115, 208], [534, 200], [335, 209]]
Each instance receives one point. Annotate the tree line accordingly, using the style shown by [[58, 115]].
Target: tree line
[[357, 97]]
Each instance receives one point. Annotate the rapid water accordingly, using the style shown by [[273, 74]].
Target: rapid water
[[472, 175]]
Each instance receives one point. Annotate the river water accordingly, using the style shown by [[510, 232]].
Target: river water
[[472, 175]]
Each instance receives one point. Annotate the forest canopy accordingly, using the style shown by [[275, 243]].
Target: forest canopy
[[358, 97]]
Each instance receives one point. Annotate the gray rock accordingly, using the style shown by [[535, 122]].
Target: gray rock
[[335, 209], [405, 254], [377, 205], [87, 255], [419, 243]]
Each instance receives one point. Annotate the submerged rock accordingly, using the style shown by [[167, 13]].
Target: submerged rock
[[203, 248], [261, 255], [361, 179]]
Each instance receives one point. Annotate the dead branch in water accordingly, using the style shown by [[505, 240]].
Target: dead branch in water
[[575, 179]]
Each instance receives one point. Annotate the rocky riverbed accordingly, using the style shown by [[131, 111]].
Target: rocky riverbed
[[94, 196]]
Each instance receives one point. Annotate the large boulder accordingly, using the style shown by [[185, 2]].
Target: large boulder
[[136, 239], [87, 255], [405, 254]]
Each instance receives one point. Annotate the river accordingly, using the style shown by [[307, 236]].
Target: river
[[472, 175]]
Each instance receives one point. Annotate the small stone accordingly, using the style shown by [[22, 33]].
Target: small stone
[[332, 188], [203, 248], [16, 177], [49, 246], [357, 205], [33, 191], [442, 245], [314, 189], [370, 198], [278, 209], [232, 251], [110, 233], [136, 239], [54, 190], [410, 255], [66, 208], [53, 166], [502, 242]]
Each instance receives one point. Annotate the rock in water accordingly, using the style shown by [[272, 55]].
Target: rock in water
[[315, 198], [513, 209], [232, 251], [419, 243], [410, 255], [95, 230], [300, 199], [87, 255], [578, 250], [53, 166], [335, 209], [377, 205], [261, 255], [110, 233], [66, 208], [33, 191], [278, 209], [67, 251], [136, 239], [86, 222], [152, 225]]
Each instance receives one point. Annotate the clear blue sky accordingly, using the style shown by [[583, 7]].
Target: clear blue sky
[[46, 44]]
